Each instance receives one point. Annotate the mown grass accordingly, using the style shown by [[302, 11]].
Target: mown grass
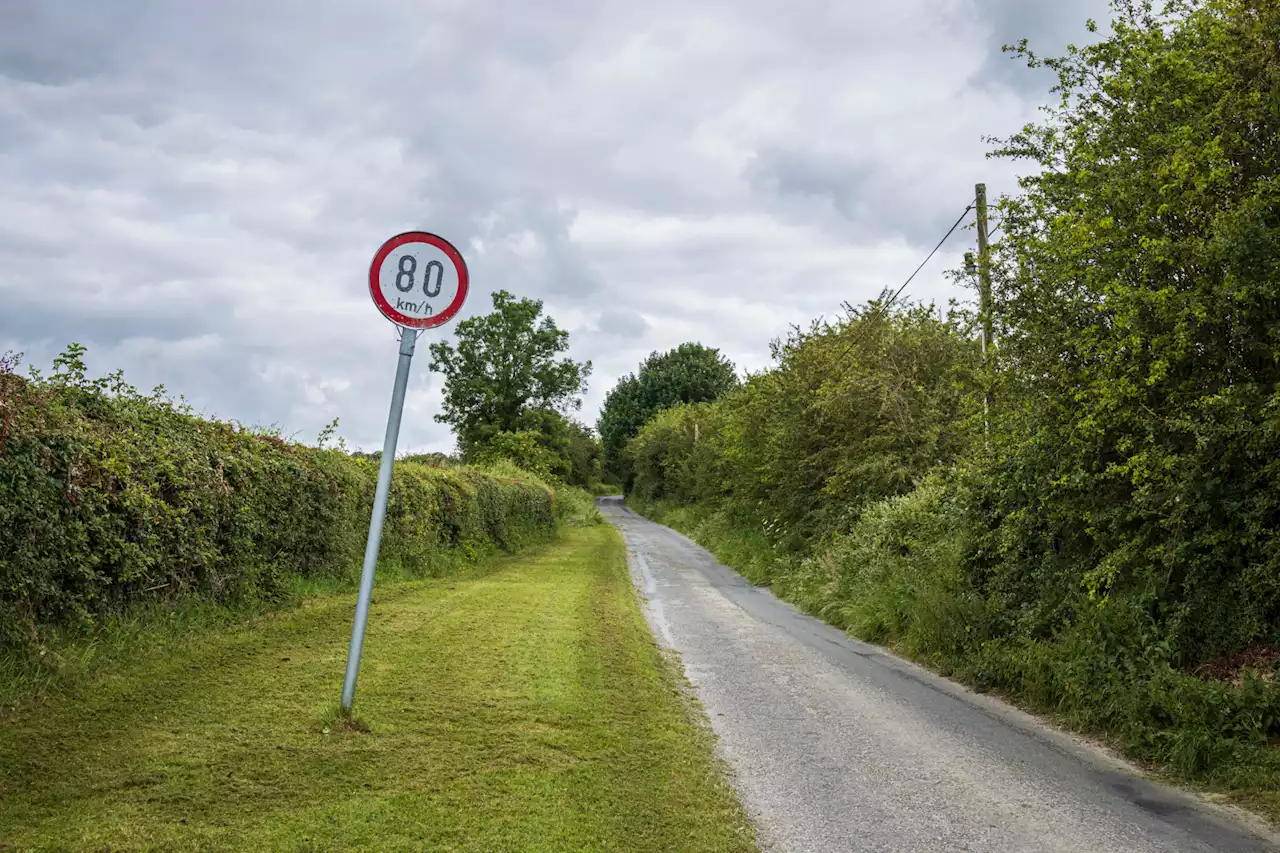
[[68, 656], [526, 708]]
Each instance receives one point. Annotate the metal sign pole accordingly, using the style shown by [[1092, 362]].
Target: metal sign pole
[[413, 303], [408, 339]]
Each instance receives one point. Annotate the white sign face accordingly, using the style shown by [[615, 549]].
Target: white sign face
[[418, 280]]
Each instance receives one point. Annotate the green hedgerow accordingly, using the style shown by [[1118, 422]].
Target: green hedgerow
[[109, 497]]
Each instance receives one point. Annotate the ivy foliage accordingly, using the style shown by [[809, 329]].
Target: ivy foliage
[[109, 497]]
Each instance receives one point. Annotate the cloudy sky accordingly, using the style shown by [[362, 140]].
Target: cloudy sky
[[194, 190]]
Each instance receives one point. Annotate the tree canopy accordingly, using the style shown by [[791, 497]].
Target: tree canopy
[[690, 373], [505, 366]]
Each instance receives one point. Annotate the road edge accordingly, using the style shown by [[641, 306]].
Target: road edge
[[1127, 779]]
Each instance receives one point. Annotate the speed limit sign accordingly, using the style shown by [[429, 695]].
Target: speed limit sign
[[418, 280]]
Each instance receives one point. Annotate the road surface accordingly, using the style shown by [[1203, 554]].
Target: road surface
[[837, 745]]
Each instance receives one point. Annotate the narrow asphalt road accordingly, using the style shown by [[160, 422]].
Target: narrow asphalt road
[[840, 746]]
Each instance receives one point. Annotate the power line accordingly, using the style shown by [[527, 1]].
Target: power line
[[884, 306]]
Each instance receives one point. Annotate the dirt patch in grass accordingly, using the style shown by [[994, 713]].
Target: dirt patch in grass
[[1262, 660]]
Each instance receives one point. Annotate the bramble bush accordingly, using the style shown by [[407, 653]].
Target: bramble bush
[[109, 497]]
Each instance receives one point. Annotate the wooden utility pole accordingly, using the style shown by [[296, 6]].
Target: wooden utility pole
[[984, 268], [984, 296]]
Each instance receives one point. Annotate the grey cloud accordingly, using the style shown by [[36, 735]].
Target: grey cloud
[[1047, 25], [210, 180], [837, 178], [622, 324], [106, 321], [872, 199], [80, 32]]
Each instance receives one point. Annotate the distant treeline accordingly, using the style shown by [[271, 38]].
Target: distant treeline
[[1087, 520]]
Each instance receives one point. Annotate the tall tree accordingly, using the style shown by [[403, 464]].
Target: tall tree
[[690, 373], [506, 364]]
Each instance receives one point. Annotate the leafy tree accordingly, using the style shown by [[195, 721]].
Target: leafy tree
[[690, 373], [679, 454], [505, 365], [525, 448], [623, 414], [852, 413], [581, 448]]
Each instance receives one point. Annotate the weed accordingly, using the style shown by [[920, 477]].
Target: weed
[[340, 720]]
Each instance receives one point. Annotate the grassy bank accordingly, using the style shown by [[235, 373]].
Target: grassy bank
[[893, 580], [522, 707]]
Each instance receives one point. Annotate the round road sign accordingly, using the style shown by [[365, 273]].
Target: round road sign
[[418, 280]]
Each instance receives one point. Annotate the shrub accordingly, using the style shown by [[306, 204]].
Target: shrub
[[899, 574], [676, 456]]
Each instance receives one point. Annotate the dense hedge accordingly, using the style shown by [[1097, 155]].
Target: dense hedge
[[1102, 537], [109, 497], [853, 412]]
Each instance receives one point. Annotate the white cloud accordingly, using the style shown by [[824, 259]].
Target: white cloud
[[195, 191]]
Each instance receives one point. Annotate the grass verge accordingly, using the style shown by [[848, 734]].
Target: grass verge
[[68, 657], [923, 628], [522, 709]]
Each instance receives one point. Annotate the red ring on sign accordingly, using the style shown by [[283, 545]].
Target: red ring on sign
[[375, 288]]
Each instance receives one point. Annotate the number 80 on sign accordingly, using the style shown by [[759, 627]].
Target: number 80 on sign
[[418, 280]]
